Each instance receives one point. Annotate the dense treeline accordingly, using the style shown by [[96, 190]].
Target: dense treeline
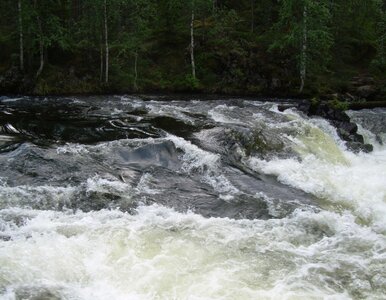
[[245, 46]]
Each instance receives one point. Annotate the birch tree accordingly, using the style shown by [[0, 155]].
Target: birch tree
[[193, 64], [303, 29], [40, 39], [106, 42], [21, 42], [135, 36], [303, 54]]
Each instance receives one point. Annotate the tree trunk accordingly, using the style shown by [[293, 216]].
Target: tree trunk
[[192, 43], [106, 45], [41, 44], [41, 50], [382, 26], [21, 44], [101, 59], [303, 55], [135, 70], [252, 15]]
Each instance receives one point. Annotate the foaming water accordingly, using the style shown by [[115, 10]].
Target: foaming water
[[331, 172], [161, 254], [188, 200]]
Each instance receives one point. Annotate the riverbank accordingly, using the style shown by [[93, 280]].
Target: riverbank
[[62, 82]]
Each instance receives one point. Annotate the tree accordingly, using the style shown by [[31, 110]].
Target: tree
[[193, 64], [381, 35], [303, 29], [40, 37], [21, 43], [230, 46], [106, 43]]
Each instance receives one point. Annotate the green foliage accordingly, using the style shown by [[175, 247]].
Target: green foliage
[[192, 83], [303, 29], [240, 46], [338, 105]]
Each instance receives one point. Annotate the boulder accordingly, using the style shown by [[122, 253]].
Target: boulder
[[366, 91]]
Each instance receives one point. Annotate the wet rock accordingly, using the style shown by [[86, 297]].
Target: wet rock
[[349, 127], [345, 128], [360, 147], [305, 107]]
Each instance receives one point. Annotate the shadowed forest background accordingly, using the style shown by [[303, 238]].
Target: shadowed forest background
[[287, 47]]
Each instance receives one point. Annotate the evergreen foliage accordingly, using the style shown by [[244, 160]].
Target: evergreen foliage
[[245, 46]]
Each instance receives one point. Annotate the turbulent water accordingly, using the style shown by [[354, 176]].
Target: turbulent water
[[129, 198]]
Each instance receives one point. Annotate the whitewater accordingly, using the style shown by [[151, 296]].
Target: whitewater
[[118, 197]]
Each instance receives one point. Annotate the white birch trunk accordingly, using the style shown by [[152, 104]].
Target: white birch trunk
[[135, 70], [21, 44], [106, 45], [192, 43], [303, 55], [41, 44], [101, 59]]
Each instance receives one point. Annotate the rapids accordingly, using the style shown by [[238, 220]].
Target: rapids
[[120, 197]]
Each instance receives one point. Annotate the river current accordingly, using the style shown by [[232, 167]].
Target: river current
[[118, 197]]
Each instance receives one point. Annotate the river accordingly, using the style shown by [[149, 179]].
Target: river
[[120, 197]]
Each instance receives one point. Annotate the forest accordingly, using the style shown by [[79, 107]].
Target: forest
[[287, 47]]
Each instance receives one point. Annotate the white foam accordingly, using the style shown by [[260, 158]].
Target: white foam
[[72, 149], [107, 185], [11, 99], [207, 164], [193, 157], [171, 111], [33, 196], [62, 197], [358, 181], [144, 185], [219, 114], [161, 254]]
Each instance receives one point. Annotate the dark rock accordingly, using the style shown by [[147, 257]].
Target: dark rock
[[349, 127], [283, 107], [366, 91], [305, 107], [356, 138], [345, 128], [360, 147]]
